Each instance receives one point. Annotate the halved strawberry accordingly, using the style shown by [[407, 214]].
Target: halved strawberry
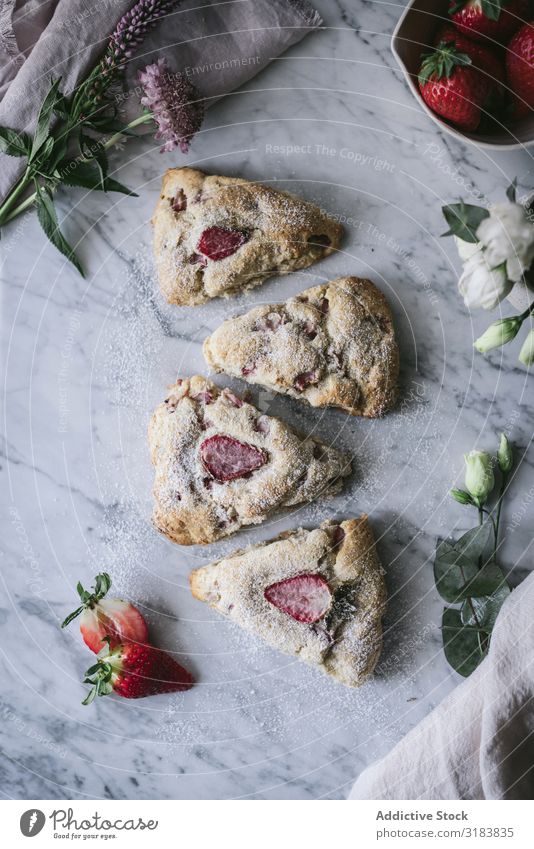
[[225, 458], [491, 19], [134, 671], [453, 88], [305, 598], [520, 69], [107, 617], [220, 242]]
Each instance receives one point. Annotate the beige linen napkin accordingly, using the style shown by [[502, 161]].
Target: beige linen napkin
[[479, 743]]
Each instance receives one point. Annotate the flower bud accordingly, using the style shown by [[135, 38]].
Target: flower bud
[[461, 496], [479, 479], [526, 354], [505, 455], [497, 334]]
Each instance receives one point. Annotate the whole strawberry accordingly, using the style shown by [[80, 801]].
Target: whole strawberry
[[453, 88], [107, 617], [484, 60], [134, 671], [492, 19], [520, 69]]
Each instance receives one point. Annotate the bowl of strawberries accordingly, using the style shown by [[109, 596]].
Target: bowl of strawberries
[[470, 64]]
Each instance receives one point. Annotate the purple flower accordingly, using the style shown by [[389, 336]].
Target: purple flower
[[133, 28], [175, 104]]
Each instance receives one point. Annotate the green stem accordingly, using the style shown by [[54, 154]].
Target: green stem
[[497, 522], [24, 182]]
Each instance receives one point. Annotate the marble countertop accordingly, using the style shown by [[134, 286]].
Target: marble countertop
[[87, 360]]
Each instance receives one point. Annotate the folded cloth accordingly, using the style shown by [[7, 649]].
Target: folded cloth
[[479, 743], [217, 45]]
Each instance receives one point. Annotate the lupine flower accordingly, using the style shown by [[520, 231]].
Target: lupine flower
[[175, 104], [479, 479]]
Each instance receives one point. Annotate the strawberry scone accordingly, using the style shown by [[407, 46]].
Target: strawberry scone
[[318, 595], [215, 236], [221, 464], [332, 345]]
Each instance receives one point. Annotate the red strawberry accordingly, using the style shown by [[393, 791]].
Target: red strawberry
[[218, 242], [520, 68], [494, 19], [452, 87], [483, 59], [225, 458], [305, 597], [107, 617], [134, 671], [307, 378]]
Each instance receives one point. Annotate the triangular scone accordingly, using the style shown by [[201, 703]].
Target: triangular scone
[[221, 464], [318, 595], [330, 345], [216, 235]]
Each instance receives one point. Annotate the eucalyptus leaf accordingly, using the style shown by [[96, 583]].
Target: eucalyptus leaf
[[44, 118], [465, 647], [46, 213], [474, 544], [13, 143], [484, 610], [461, 568], [464, 220]]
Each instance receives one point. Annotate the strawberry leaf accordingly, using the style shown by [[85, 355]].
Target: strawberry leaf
[[492, 9], [442, 62]]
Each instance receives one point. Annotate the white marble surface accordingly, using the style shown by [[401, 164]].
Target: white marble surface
[[86, 360]]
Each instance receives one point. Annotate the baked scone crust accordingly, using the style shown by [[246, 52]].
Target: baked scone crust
[[279, 228], [331, 345], [347, 647], [190, 506]]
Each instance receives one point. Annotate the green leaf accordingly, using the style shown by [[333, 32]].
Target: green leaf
[[486, 608], [13, 143], [44, 118], [465, 647], [457, 569], [492, 9], [511, 192], [46, 213], [88, 175], [464, 220]]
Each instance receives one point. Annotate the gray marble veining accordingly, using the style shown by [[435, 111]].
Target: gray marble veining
[[86, 361]]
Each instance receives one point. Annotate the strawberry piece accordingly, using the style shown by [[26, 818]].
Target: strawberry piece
[[134, 671], [338, 535], [218, 242], [520, 69], [452, 87], [261, 425], [305, 598], [226, 459], [307, 378], [234, 400], [179, 201], [103, 617], [492, 19]]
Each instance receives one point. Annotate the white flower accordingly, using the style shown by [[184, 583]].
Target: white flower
[[479, 479], [507, 237], [482, 286], [499, 333], [466, 249]]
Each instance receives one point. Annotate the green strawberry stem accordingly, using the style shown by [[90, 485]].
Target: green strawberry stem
[[88, 599], [442, 62]]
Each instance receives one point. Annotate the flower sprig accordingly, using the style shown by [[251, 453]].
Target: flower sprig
[[73, 134], [497, 249], [466, 570]]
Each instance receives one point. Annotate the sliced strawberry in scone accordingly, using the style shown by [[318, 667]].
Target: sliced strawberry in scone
[[333, 345], [318, 595], [221, 464], [215, 236]]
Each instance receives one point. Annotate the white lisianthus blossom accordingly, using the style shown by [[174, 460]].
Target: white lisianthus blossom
[[466, 249], [479, 479], [507, 238], [483, 286]]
